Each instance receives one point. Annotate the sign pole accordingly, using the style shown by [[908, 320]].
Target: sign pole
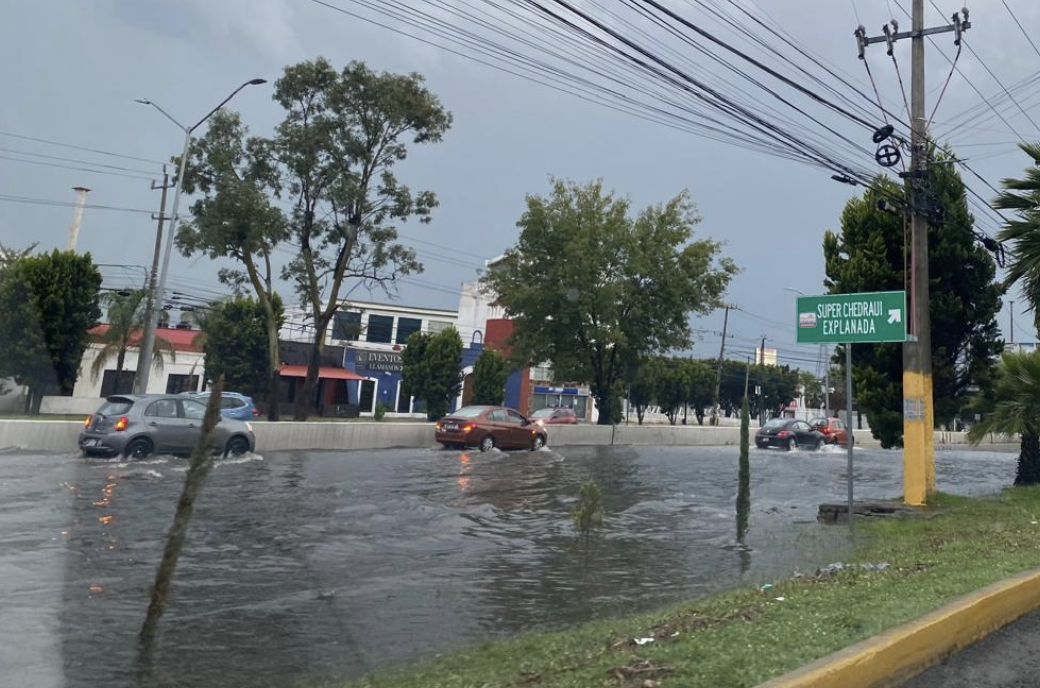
[[848, 424]]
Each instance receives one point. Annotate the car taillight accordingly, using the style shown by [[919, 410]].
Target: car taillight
[[122, 423], [86, 423], [782, 433], [256, 412], [468, 427]]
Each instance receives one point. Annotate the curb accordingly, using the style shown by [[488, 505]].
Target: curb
[[897, 655]]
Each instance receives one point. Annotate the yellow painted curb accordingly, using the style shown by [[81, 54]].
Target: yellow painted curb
[[899, 654]]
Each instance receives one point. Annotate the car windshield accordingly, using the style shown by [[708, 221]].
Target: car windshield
[[469, 412], [777, 423], [818, 422], [543, 413]]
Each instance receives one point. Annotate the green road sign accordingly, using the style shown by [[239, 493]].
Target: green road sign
[[857, 318]]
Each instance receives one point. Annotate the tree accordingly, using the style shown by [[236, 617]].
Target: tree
[[868, 255], [623, 288], [432, 369], [331, 158], [236, 219], [48, 303], [125, 313], [731, 391], [1016, 412], [700, 390], [672, 387], [1023, 233], [443, 362], [744, 473], [812, 389], [489, 378], [235, 341], [643, 386], [779, 385]]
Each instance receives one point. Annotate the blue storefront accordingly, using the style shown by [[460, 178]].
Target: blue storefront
[[383, 384]]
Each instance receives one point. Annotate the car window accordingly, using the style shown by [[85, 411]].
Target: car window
[[193, 410], [543, 413], [115, 407], [801, 426], [776, 423], [514, 417], [817, 423], [498, 416], [469, 411], [838, 425], [163, 408], [230, 403]]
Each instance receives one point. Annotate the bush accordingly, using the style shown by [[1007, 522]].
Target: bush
[[380, 411], [588, 512]]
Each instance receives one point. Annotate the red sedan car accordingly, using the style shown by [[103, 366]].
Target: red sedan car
[[833, 430], [555, 416], [488, 427]]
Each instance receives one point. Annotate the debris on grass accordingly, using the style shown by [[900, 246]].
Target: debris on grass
[[640, 668]]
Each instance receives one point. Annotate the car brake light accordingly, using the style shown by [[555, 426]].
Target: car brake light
[[122, 423], [256, 412], [468, 427], [86, 423], [782, 433]]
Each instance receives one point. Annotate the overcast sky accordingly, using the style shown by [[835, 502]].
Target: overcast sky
[[70, 71]]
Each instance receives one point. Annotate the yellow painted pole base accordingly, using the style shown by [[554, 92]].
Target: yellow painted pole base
[[918, 439]]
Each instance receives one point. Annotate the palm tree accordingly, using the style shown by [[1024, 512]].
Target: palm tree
[[125, 324], [1023, 232], [1017, 411]]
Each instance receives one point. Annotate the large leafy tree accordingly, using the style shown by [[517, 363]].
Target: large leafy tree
[[622, 287], [868, 255], [1016, 412], [47, 302], [432, 369], [234, 338], [125, 313], [489, 378], [331, 160]]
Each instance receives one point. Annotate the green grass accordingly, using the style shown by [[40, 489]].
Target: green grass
[[743, 637], [43, 416]]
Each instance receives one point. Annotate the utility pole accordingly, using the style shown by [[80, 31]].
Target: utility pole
[[1012, 310], [718, 372], [827, 387], [747, 374], [143, 364], [761, 362], [918, 414]]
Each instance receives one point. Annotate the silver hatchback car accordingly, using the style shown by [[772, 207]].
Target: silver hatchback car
[[139, 425]]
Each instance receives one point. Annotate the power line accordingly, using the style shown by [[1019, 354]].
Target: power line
[[1021, 28], [82, 148], [70, 167], [67, 204]]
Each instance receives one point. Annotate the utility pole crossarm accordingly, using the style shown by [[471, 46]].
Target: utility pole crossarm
[[964, 26]]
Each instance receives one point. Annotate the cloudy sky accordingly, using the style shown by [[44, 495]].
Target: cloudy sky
[[70, 71]]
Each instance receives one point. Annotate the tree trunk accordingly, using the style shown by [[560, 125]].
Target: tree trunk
[[640, 412], [305, 400], [274, 396], [120, 359], [1028, 460], [606, 409]]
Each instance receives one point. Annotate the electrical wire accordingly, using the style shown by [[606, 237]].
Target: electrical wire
[[70, 167], [1021, 28], [99, 151]]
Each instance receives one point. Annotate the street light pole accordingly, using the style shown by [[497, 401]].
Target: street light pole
[[148, 340]]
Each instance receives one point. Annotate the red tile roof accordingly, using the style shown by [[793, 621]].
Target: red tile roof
[[182, 340]]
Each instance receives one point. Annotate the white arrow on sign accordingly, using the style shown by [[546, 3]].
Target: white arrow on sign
[[895, 315]]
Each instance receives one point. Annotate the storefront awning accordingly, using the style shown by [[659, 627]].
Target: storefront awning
[[324, 372]]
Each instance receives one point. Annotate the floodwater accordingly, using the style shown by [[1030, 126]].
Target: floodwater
[[326, 565]]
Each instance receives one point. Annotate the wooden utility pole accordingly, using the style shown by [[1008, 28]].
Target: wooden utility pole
[[149, 300], [718, 372], [747, 375], [918, 414]]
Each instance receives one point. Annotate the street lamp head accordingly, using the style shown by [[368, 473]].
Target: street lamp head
[[142, 101], [256, 82]]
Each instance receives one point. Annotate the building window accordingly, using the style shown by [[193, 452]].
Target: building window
[[542, 372], [380, 329], [406, 327], [117, 382], [404, 400], [347, 326], [439, 326], [175, 384]]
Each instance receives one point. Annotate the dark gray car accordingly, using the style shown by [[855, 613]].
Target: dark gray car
[[140, 425]]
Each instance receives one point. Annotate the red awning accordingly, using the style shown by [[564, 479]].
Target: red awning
[[326, 373]]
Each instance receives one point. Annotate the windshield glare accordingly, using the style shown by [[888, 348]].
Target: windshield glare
[[543, 413], [469, 411], [776, 423]]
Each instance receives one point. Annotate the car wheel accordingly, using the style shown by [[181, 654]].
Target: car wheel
[[487, 444], [538, 443], [237, 446], [819, 444], [792, 444], [139, 448], [446, 445]]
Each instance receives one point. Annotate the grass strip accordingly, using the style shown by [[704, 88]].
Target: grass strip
[[743, 637]]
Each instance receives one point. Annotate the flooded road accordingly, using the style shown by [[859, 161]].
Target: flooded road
[[325, 565]]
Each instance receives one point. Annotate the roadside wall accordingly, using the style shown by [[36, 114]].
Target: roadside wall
[[55, 435]]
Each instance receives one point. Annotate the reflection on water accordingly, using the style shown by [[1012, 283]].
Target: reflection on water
[[325, 565]]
